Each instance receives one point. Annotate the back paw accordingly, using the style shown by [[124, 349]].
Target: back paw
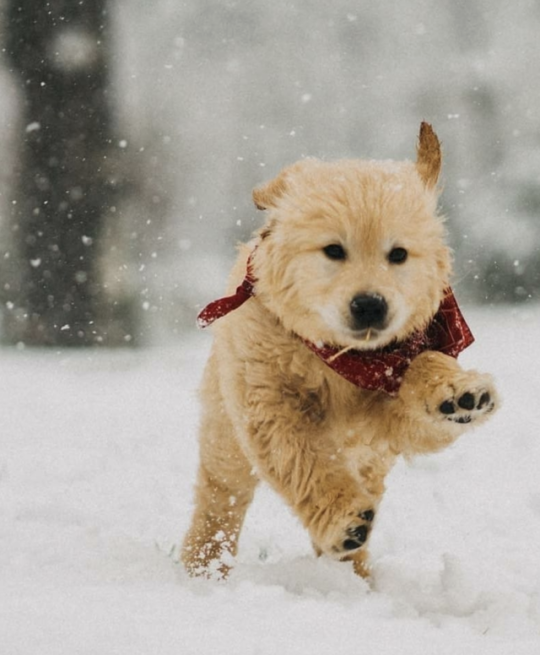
[[212, 558]]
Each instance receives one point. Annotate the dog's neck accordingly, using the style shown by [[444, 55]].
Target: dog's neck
[[376, 370], [383, 369]]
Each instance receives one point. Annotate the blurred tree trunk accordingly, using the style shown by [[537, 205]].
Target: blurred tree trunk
[[69, 174]]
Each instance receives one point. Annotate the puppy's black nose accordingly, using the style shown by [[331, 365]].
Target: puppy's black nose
[[368, 311]]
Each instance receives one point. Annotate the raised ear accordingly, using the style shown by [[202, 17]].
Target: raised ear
[[428, 159]]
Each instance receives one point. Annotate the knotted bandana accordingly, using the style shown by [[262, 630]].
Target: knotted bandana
[[377, 370]]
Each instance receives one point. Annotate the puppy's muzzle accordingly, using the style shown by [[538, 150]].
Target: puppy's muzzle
[[368, 311]]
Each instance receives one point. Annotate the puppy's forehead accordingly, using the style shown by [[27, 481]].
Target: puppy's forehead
[[359, 196]]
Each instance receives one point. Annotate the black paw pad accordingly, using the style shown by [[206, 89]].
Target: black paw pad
[[467, 401], [485, 399], [447, 407], [368, 515], [358, 537], [351, 544], [360, 533]]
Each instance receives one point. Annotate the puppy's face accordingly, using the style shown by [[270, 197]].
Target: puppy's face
[[353, 253]]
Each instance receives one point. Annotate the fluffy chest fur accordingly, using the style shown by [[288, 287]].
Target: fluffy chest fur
[[264, 369]]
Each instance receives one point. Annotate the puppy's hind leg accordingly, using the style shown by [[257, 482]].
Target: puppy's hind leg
[[224, 491]]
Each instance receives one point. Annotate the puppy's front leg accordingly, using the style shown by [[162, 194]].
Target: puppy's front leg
[[295, 453], [443, 400]]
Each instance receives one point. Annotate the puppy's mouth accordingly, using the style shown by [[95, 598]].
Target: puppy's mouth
[[370, 323], [367, 335], [369, 338]]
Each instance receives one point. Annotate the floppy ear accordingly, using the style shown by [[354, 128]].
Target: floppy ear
[[428, 160], [266, 196]]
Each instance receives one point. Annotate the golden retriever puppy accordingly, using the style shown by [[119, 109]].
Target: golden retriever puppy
[[335, 354]]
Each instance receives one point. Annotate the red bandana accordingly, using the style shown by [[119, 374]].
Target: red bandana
[[223, 306], [376, 370]]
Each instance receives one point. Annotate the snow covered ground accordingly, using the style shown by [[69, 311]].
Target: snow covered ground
[[97, 460]]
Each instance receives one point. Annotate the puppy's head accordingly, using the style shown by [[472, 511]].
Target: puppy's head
[[353, 252]]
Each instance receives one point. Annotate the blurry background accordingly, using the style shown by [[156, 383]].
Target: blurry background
[[132, 134]]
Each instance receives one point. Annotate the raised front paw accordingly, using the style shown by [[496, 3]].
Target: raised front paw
[[465, 398], [468, 406], [437, 388]]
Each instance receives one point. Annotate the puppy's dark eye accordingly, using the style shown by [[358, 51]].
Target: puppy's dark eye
[[397, 255], [335, 251]]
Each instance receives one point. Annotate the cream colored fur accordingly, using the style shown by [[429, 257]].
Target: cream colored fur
[[272, 410]]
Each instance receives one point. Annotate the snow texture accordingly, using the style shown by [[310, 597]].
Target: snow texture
[[98, 457]]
